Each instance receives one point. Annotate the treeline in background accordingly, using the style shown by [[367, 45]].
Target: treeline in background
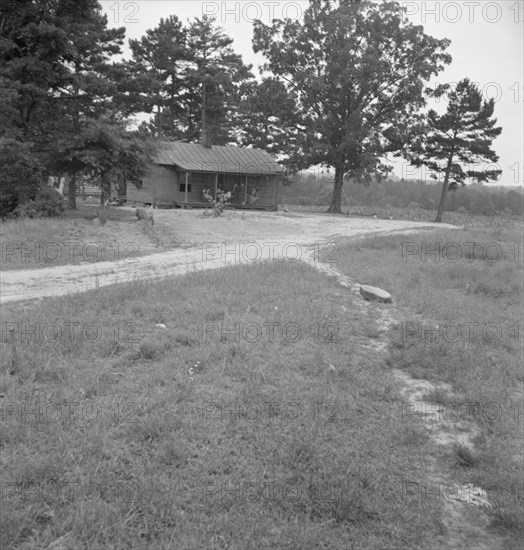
[[312, 189]]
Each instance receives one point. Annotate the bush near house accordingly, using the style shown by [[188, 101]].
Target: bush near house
[[48, 203]]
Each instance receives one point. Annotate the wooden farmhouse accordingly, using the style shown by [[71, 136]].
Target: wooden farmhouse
[[186, 175]]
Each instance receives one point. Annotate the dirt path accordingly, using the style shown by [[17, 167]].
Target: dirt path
[[464, 506], [205, 243]]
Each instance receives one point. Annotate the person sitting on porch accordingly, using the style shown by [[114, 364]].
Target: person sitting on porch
[[207, 195], [222, 196], [253, 197], [238, 193]]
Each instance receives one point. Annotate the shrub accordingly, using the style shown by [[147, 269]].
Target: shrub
[[21, 174], [47, 203], [8, 201]]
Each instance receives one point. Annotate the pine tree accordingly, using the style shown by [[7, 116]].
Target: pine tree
[[214, 77], [89, 94], [187, 72], [58, 78], [457, 143], [157, 75], [265, 110]]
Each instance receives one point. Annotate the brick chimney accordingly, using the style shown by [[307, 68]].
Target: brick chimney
[[205, 139]]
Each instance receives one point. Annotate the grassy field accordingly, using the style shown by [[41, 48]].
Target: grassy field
[[241, 408], [460, 321], [77, 238], [287, 440]]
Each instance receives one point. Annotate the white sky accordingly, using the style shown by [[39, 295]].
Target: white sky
[[487, 46]]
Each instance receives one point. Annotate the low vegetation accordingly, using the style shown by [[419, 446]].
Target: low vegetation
[[85, 235], [460, 322], [171, 414], [48, 203], [312, 189], [462, 219], [214, 440]]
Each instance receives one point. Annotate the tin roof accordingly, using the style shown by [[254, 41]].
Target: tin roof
[[194, 157]]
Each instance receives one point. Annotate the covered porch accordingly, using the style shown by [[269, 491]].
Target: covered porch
[[241, 191]]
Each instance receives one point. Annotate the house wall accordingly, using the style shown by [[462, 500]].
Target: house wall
[[166, 184], [265, 190], [165, 180], [145, 194], [161, 184], [278, 189]]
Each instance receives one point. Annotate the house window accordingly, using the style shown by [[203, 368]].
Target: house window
[[183, 188]]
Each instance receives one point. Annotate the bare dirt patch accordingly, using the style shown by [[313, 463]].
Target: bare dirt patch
[[199, 243], [191, 228]]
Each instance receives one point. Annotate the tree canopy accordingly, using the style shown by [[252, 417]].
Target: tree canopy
[[190, 78], [358, 70], [57, 78], [341, 88]]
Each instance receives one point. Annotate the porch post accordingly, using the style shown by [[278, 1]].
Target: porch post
[[273, 180], [216, 186], [245, 191], [187, 183]]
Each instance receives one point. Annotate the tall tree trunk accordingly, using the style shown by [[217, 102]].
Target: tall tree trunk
[[159, 121], [71, 191], [445, 187], [336, 200], [105, 194], [105, 189]]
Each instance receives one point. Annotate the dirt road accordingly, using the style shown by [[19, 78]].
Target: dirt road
[[205, 243]]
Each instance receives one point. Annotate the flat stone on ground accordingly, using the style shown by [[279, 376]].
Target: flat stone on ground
[[374, 293]]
